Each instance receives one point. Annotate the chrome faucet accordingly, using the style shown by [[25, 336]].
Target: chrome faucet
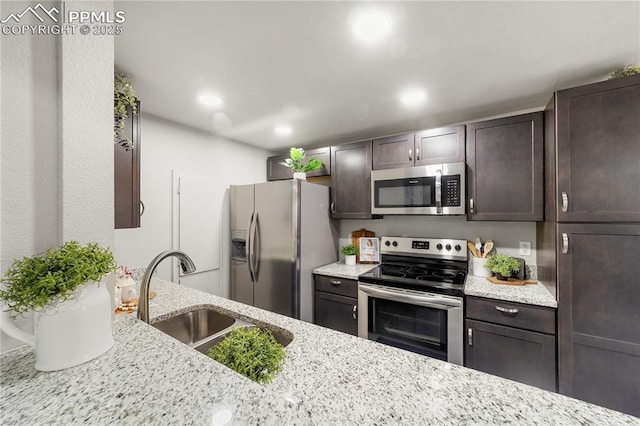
[[143, 300]]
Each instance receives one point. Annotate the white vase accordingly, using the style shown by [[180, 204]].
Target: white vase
[[478, 267], [350, 260], [300, 175], [71, 332]]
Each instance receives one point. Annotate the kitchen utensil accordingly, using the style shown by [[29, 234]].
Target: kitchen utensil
[[478, 246], [488, 246], [472, 249]]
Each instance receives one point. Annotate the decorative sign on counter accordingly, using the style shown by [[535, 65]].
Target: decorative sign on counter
[[369, 250]]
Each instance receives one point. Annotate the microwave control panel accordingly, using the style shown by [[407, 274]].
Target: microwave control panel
[[451, 191]]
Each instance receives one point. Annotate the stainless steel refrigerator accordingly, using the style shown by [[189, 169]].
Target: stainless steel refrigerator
[[280, 232]]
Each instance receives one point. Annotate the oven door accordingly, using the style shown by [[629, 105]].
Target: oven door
[[425, 323]]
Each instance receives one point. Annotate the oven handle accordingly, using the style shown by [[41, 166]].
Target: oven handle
[[432, 301]]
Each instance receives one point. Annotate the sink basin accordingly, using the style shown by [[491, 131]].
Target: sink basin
[[203, 328], [192, 327]]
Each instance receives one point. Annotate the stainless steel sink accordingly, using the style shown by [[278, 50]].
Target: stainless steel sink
[[203, 328]]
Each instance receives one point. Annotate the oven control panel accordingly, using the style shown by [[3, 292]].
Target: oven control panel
[[433, 247]]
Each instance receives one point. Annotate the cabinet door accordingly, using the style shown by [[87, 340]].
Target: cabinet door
[[393, 152], [598, 129], [505, 169], [276, 171], [126, 182], [599, 314], [524, 356], [443, 145], [336, 312], [351, 181]]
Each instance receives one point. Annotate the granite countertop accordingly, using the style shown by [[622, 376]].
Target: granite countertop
[[328, 378], [339, 269], [531, 294]]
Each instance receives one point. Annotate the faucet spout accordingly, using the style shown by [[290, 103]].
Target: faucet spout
[[186, 264]]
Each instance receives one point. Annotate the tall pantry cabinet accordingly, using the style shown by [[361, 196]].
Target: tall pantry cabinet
[[589, 243]]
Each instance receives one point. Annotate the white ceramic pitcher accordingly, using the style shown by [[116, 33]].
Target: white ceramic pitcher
[[71, 332]]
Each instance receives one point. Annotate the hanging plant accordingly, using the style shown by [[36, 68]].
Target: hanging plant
[[124, 96]]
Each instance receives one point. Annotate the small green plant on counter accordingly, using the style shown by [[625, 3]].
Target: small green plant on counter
[[625, 71], [32, 283], [252, 352], [295, 161], [350, 250], [502, 264]]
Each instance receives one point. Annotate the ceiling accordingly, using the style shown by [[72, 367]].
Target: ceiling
[[299, 64]]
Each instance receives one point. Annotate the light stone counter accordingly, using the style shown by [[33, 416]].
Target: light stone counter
[[339, 269], [328, 378], [532, 294]]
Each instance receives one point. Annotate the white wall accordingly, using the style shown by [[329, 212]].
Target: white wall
[[56, 115], [167, 147]]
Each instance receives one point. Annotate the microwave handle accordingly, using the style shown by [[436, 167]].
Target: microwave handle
[[439, 191]]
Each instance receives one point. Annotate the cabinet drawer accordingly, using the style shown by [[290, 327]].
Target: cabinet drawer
[[527, 317], [336, 285]]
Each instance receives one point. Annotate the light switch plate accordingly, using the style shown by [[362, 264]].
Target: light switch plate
[[525, 248]]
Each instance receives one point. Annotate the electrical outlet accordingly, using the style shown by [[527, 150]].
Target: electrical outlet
[[525, 248]]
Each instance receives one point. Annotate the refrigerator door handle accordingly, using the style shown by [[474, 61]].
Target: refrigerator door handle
[[255, 247], [249, 247]]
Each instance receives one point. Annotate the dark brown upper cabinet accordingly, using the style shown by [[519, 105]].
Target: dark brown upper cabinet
[[276, 171], [598, 152], [505, 169], [434, 146], [126, 167], [351, 181]]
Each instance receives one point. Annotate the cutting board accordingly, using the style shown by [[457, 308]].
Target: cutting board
[[355, 239], [511, 281]]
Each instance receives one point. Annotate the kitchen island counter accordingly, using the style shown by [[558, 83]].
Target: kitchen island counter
[[329, 377]]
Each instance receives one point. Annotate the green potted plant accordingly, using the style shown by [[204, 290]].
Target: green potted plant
[[72, 312], [350, 251], [124, 97], [502, 265], [295, 162], [252, 352]]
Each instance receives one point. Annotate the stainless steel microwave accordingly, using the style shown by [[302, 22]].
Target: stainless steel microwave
[[437, 189]]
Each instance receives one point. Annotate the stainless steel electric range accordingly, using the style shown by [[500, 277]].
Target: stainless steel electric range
[[414, 299]]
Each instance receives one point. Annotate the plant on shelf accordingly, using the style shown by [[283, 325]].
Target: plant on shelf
[[625, 71], [252, 352], [34, 283], [123, 96], [295, 162], [502, 265]]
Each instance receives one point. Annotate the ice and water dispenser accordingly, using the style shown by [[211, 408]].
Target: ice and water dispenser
[[239, 244]]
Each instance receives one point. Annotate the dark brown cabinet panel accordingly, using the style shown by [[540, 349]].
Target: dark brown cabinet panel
[[126, 168], [351, 181], [393, 152], [442, 145], [599, 314], [524, 356], [598, 145], [335, 304], [505, 169], [276, 171]]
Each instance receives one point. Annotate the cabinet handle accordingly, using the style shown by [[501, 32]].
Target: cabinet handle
[[333, 209], [410, 154], [354, 313], [507, 310], [141, 208], [565, 202], [565, 243], [470, 205], [470, 336], [335, 282], [418, 154]]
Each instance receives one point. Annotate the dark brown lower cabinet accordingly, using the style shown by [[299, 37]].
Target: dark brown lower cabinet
[[525, 352], [599, 314], [336, 304]]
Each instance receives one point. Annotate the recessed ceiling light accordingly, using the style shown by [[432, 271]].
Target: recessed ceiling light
[[282, 130], [371, 25], [413, 97], [210, 100]]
